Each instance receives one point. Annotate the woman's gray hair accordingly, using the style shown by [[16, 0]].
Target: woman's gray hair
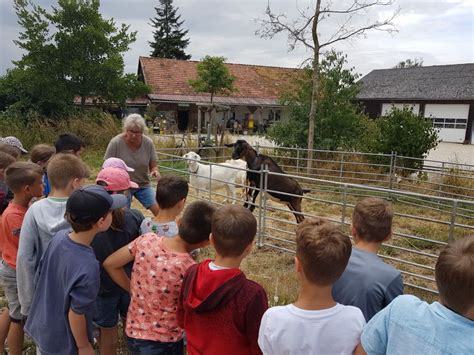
[[134, 121]]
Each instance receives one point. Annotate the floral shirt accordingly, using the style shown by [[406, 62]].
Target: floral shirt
[[157, 276]]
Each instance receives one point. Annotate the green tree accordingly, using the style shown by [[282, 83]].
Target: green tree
[[168, 37], [407, 134], [213, 77], [70, 51], [342, 122]]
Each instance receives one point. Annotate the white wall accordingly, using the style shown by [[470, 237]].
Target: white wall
[[387, 107], [455, 117]]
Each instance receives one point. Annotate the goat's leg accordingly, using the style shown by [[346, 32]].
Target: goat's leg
[[295, 206], [255, 194]]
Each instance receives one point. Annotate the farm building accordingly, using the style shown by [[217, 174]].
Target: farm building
[[258, 89], [444, 93]]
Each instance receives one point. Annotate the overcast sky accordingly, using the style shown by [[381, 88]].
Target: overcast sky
[[440, 32]]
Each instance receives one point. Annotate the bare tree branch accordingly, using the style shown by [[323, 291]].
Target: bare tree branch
[[358, 6]]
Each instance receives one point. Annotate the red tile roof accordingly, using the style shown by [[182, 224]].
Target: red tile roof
[[171, 77]]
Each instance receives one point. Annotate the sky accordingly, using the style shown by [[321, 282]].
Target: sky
[[439, 32]]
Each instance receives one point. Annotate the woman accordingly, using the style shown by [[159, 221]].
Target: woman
[[138, 152]]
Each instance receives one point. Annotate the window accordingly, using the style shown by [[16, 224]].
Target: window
[[459, 123]]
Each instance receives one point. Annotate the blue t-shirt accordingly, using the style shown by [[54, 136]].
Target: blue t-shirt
[[367, 283], [411, 326], [68, 277], [46, 185]]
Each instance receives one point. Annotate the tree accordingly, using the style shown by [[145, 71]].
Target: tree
[[306, 31], [410, 63], [71, 51], [407, 134], [169, 41], [342, 122], [213, 77]]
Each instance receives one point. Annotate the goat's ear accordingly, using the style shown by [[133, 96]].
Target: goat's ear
[[229, 145]]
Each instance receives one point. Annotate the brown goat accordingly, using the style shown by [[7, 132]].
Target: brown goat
[[279, 185]]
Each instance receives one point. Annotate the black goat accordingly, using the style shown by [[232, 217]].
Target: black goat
[[284, 184]]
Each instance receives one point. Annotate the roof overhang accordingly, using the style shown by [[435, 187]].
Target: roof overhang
[[221, 100]]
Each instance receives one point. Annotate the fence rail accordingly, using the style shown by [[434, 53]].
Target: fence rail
[[423, 223]]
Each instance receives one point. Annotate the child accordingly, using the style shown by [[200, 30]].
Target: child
[[314, 324], [117, 163], [25, 180], [60, 320], [41, 154], [411, 326], [44, 219], [16, 144], [113, 300], [171, 193], [5, 193], [157, 275], [219, 308], [368, 283], [8, 149], [69, 143]]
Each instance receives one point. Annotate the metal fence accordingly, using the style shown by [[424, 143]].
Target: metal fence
[[423, 223]]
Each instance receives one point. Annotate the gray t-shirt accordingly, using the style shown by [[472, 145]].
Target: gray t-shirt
[[139, 159], [168, 229], [367, 283]]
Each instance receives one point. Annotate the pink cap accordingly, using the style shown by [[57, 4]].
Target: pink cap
[[116, 163], [116, 179]]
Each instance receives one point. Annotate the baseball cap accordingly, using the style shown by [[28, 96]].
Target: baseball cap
[[116, 163], [90, 203], [14, 142], [116, 179]]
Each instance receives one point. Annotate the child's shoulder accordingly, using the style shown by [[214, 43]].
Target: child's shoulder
[[251, 286]]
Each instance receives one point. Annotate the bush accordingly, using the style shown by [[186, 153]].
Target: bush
[[407, 134], [94, 126]]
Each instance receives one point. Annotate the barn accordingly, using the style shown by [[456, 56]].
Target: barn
[[442, 93], [256, 99]]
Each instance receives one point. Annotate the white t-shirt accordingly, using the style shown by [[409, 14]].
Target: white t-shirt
[[289, 330]]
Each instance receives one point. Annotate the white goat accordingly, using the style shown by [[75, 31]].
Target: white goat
[[224, 175], [241, 178]]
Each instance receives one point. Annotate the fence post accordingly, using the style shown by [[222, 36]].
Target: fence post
[[344, 205], [453, 220], [210, 182], [341, 166], [257, 147], [297, 160], [390, 177], [264, 206], [440, 185], [260, 208]]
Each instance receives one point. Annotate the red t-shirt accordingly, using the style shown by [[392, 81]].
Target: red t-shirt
[[12, 218]]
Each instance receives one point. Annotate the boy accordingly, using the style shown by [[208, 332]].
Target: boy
[[60, 321], [157, 275], [44, 219], [25, 180], [368, 283], [314, 324], [219, 308], [411, 326], [171, 193], [41, 154], [69, 143], [5, 193]]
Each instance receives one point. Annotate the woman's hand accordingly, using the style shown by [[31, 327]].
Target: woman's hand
[[156, 174]]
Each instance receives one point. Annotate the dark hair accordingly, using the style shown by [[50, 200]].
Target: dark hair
[[41, 153], [81, 226], [22, 173], [233, 229], [9, 149], [170, 190], [63, 168], [5, 160], [372, 219], [68, 143], [454, 273], [195, 225], [323, 250]]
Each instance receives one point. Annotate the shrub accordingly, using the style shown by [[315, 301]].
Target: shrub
[[94, 126]]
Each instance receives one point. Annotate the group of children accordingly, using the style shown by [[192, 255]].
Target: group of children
[[80, 259]]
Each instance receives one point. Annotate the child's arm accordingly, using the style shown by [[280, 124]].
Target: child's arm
[[359, 350], [26, 261], [78, 326], [114, 267], [254, 314]]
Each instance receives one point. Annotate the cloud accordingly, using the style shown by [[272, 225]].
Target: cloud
[[440, 32]]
